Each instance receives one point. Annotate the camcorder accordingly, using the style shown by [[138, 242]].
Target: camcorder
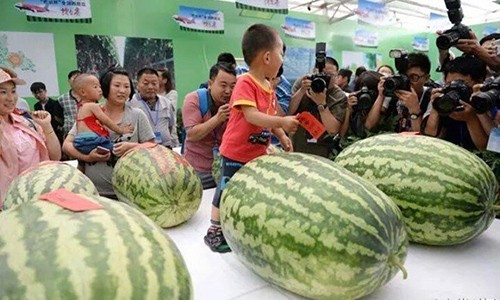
[[366, 98], [450, 100], [400, 81], [459, 31], [489, 97], [320, 80]]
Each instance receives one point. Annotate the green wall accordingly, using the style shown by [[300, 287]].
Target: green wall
[[194, 52]]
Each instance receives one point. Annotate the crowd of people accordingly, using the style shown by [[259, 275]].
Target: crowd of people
[[240, 111]]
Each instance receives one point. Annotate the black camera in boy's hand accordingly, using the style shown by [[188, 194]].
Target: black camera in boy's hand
[[450, 100], [261, 138], [489, 96]]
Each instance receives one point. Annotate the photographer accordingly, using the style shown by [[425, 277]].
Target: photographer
[[410, 100], [451, 116], [359, 104], [485, 49], [327, 105]]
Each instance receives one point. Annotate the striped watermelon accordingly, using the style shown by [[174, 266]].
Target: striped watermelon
[[312, 227], [159, 182], [46, 177], [445, 193], [47, 252]]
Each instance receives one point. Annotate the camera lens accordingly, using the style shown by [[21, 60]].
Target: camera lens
[[447, 103], [365, 101], [448, 39], [485, 101], [318, 85]]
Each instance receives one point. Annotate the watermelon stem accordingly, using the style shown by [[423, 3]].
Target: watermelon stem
[[395, 261]]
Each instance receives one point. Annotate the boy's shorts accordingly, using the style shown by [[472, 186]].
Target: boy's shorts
[[87, 141]]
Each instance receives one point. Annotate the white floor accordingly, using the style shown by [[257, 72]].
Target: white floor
[[465, 272]]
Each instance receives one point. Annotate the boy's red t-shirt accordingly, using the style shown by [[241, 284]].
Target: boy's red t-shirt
[[235, 142]]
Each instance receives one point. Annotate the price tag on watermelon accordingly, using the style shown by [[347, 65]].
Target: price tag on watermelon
[[311, 124], [69, 201]]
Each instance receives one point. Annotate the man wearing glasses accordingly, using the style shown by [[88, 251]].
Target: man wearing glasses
[[411, 104], [328, 107]]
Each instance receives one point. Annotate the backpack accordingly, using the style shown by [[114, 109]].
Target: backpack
[[204, 105]]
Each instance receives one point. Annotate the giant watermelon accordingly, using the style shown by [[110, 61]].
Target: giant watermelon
[[46, 177], [47, 252], [445, 193], [159, 182], [312, 227]]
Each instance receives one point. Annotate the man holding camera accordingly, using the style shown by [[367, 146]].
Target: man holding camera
[[319, 95], [408, 88], [204, 114], [452, 116]]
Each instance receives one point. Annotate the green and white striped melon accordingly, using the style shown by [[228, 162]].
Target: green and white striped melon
[[312, 227], [445, 193], [46, 177], [47, 252], [160, 183]]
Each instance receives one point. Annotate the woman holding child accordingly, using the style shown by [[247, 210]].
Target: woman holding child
[[23, 142], [116, 86]]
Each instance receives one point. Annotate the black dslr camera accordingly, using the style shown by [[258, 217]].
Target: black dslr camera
[[450, 100], [489, 96], [400, 81], [320, 80], [459, 31], [366, 98]]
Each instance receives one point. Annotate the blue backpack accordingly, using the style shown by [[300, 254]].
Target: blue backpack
[[204, 105]]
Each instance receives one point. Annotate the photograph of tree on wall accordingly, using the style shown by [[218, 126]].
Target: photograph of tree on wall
[[96, 53]]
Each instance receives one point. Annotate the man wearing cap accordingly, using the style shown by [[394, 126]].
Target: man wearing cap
[[23, 142]]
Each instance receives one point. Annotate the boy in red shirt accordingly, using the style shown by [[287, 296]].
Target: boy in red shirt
[[252, 118]]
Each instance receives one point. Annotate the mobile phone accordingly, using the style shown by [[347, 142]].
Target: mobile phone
[[102, 150], [497, 45]]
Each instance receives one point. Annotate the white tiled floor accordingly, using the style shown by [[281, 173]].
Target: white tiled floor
[[470, 271]]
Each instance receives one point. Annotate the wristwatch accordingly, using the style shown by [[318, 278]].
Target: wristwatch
[[321, 107], [415, 116]]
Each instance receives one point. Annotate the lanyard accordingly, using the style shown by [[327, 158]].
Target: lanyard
[[148, 110]]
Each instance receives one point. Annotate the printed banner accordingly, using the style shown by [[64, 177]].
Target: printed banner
[[438, 22], [353, 59], [56, 11], [298, 28], [373, 13], [200, 20], [490, 29], [420, 43], [30, 63], [272, 6], [364, 38]]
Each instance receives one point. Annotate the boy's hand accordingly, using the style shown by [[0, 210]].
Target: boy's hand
[[286, 143], [289, 124], [127, 129]]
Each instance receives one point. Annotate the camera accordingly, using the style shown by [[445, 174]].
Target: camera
[[366, 98], [450, 100], [320, 80], [400, 81], [489, 96], [261, 138], [459, 31]]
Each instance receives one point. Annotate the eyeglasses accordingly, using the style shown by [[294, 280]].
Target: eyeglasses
[[416, 77]]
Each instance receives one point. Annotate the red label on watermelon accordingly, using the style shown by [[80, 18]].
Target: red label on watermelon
[[311, 124], [69, 201], [410, 133]]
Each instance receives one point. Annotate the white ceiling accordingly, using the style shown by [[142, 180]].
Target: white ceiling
[[404, 13]]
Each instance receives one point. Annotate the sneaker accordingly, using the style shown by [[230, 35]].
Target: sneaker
[[215, 240]]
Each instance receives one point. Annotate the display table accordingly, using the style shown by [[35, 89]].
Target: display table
[[465, 272]]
